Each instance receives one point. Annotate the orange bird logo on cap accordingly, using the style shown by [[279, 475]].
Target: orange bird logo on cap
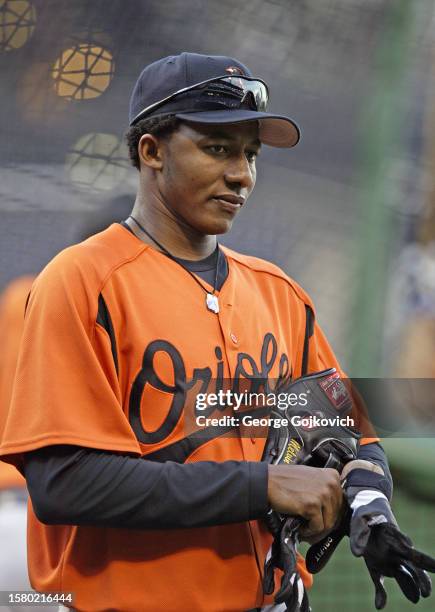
[[234, 70]]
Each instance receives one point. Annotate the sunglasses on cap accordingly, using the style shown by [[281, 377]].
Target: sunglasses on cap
[[218, 93]]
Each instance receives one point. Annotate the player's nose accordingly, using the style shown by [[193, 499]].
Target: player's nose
[[239, 173]]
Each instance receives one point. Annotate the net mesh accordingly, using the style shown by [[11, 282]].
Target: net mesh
[[334, 212]]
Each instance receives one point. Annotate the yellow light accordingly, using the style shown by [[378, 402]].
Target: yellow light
[[97, 162], [17, 22], [36, 98], [83, 72]]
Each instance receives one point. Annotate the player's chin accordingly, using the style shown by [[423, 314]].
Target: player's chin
[[217, 224]]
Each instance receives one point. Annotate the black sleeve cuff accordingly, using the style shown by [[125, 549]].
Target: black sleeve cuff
[[364, 479], [375, 454]]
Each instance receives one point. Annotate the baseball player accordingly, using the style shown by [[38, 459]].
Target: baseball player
[[131, 509]]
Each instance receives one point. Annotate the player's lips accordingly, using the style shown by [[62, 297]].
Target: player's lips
[[230, 201]]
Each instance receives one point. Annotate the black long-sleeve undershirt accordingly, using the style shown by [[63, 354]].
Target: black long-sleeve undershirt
[[375, 454], [362, 478], [82, 486]]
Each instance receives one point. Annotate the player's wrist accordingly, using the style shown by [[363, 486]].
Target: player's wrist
[[370, 508], [360, 464], [363, 480]]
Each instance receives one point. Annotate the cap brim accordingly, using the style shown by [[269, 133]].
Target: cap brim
[[275, 130]]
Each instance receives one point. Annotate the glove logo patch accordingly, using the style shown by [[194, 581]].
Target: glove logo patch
[[324, 548], [335, 390], [293, 448]]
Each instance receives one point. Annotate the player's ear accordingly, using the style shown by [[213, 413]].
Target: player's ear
[[150, 151]]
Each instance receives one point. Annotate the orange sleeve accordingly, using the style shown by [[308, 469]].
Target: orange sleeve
[[320, 357], [12, 304], [10, 478], [66, 389]]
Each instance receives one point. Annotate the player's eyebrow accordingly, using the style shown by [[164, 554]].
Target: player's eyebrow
[[228, 136]]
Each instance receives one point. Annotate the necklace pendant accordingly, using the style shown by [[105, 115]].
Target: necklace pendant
[[212, 302]]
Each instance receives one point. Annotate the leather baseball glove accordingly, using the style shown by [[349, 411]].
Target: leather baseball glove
[[316, 431]]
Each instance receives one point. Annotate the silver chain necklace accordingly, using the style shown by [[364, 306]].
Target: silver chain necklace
[[211, 299]]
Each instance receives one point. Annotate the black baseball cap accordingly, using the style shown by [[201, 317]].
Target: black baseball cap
[[209, 89]]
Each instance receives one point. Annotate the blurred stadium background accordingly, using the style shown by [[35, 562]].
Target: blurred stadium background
[[349, 213]]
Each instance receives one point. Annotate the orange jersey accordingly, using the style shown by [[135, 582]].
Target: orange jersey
[[12, 306], [115, 335], [10, 478]]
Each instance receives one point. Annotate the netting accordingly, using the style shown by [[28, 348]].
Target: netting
[[64, 97], [334, 212]]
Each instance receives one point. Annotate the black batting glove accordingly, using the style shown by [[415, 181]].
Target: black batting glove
[[374, 535], [283, 555]]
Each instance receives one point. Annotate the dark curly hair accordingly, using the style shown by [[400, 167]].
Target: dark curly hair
[[161, 126]]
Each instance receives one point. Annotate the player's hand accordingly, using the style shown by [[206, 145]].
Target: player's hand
[[391, 553], [313, 494], [374, 535], [324, 535]]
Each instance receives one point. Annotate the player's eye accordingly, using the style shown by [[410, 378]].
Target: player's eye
[[217, 149]]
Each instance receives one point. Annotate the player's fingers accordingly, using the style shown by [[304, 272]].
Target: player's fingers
[[311, 522], [314, 525], [421, 560], [421, 578], [425, 583], [330, 502], [380, 596], [331, 511], [408, 582], [333, 500], [319, 553], [380, 592], [323, 515]]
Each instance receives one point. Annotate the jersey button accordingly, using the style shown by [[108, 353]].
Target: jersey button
[[234, 338]]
